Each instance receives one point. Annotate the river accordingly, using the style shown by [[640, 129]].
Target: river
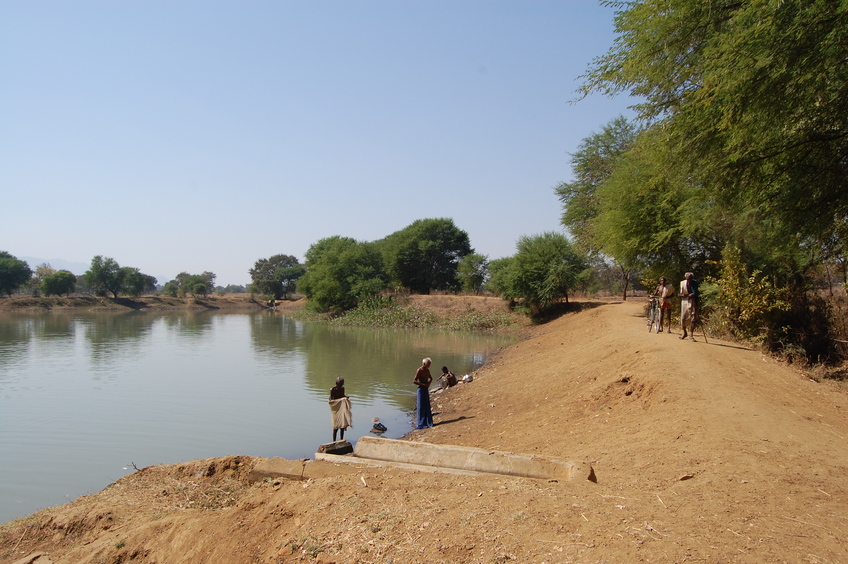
[[86, 397]]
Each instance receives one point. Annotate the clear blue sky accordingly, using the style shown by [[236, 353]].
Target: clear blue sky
[[202, 135]]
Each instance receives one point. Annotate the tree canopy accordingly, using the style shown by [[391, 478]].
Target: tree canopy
[[58, 283], [425, 255], [751, 102], [105, 275], [14, 273], [340, 272], [277, 276], [542, 272]]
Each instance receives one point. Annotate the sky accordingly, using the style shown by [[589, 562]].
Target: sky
[[196, 136]]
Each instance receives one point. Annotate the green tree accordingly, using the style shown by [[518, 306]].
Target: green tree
[[136, 283], [58, 283], [340, 272], [103, 276], [194, 284], [276, 276], [41, 271], [543, 271], [171, 289], [751, 99], [425, 255], [499, 280], [472, 272], [14, 273], [592, 164]]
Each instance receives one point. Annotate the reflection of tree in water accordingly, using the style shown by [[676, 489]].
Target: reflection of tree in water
[[191, 324], [379, 362], [114, 337], [275, 335], [16, 336]]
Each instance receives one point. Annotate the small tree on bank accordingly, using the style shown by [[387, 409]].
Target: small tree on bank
[[58, 283], [543, 271]]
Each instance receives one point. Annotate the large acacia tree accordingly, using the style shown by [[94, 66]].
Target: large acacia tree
[[751, 100], [277, 276], [593, 164]]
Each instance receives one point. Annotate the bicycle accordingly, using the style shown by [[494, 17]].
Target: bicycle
[[654, 313]]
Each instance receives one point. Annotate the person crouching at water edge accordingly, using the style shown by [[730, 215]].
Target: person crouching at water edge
[[423, 379], [340, 409]]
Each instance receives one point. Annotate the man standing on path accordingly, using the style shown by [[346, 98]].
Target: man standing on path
[[688, 305]]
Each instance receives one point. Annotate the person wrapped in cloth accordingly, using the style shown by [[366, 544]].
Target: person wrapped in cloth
[[340, 409]]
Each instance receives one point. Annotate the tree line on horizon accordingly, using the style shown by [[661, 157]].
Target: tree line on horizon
[[428, 255]]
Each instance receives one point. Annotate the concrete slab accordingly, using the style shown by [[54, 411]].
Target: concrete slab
[[304, 469], [470, 459], [356, 462]]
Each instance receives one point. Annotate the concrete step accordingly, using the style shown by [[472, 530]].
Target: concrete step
[[374, 450]]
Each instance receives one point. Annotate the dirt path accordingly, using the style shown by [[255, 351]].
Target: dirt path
[[704, 452]]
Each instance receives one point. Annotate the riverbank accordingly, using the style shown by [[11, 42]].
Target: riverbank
[[704, 452]]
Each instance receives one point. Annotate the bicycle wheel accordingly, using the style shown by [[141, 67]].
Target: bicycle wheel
[[651, 315]]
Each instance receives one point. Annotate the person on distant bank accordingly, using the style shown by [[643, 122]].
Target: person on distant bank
[[688, 305], [423, 379], [340, 409], [664, 292]]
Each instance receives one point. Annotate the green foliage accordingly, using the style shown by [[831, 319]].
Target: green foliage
[[472, 272], [14, 273], [104, 276], [341, 271], [499, 280], [751, 101], [377, 311], [592, 164], [425, 255], [194, 284], [136, 283], [58, 283], [276, 276], [171, 289], [741, 303], [542, 272], [385, 311]]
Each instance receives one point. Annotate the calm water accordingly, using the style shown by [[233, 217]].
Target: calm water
[[83, 396]]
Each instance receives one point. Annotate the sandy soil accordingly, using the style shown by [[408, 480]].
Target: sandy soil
[[704, 452]]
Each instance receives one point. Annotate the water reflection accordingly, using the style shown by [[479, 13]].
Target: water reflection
[[82, 394]]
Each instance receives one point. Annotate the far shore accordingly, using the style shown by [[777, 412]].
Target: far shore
[[21, 303]]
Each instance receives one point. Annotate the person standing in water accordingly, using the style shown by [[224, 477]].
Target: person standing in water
[[340, 409], [423, 379]]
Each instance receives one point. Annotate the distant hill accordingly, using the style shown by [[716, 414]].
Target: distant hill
[[77, 268]]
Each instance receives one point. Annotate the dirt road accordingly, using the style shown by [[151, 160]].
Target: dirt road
[[704, 452]]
